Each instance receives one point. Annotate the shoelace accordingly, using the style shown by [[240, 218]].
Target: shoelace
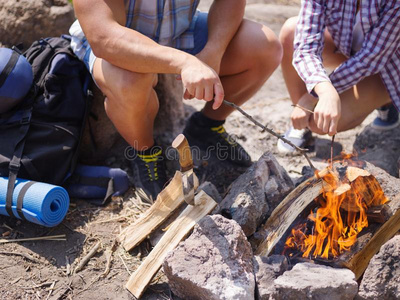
[[150, 162], [222, 132]]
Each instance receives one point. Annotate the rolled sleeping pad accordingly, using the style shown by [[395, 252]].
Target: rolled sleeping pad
[[16, 78], [43, 203], [97, 183]]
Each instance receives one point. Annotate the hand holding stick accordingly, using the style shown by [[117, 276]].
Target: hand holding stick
[[301, 150]]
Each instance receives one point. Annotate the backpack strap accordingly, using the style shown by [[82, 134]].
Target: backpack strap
[[15, 164], [21, 197], [9, 67]]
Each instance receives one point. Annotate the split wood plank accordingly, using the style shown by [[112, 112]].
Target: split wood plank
[[286, 213], [176, 232], [360, 261], [167, 202]]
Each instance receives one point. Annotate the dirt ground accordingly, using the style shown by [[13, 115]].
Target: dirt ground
[[48, 274]]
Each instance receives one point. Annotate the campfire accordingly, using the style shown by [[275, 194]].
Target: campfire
[[348, 196]]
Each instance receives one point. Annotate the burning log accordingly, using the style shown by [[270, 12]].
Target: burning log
[[335, 217]]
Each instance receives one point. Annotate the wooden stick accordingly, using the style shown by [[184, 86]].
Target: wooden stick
[[286, 213], [61, 237], [26, 256], [88, 256], [333, 141], [303, 108], [378, 214], [167, 202], [360, 261], [270, 131], [179, 229]]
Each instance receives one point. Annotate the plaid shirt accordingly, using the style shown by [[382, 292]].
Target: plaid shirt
[[167, 22], [380, 52]]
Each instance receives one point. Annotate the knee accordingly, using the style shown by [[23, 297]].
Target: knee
[[266, 49], [273, 51], [132, 84], [286, 36]]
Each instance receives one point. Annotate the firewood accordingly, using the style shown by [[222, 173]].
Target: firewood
[[177, 231], [359, 262], [379, 214], [167, 202], [286, 213]]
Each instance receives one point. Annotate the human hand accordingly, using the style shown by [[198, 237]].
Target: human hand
[[202, 82], [328, 110], [301, 114]]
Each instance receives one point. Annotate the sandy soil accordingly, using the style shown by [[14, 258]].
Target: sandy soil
[[86, 224]]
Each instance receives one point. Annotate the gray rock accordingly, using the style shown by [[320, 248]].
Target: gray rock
[[256, 193], [210, 190], [380, 148], [310, 281], [107, 140], [214, 263], [323, 148], [25, 21], [382, 277], [267, 269], [398, 166]]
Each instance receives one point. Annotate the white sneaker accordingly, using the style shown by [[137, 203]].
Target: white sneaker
[[300, 138]]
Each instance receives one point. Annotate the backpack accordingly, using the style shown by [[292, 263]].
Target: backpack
[[39, 139]]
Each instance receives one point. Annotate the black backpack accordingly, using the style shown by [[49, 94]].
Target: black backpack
[[39, 139]]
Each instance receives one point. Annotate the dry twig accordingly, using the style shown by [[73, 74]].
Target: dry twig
[[61, 237], [26, 256], [301, 150], [109, 255], [87, 257]]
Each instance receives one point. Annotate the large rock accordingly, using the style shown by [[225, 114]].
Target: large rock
[[102, 140], [214, 263], [267, 269], [380, 148], [254, 195], [310, 281], [25, 21], [382, 277]]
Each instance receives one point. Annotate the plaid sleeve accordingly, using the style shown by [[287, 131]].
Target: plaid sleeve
[[309, 43], [380, 44]]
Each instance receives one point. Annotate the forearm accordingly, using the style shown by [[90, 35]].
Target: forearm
[[130, 50], [224, 19]]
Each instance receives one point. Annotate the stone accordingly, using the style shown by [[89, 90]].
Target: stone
[[381, 279], [214, 263], [323, 148], [266, 270], [311, 281], [398, 166], [101, 139], [254, 195], [25, 21], [380, 148]]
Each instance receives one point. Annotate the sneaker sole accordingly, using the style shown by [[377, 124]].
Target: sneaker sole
[[383, 128]]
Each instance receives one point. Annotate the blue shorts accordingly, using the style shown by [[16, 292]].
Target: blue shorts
[[200, 34]]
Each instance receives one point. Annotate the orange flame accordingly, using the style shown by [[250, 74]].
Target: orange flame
[[340, 217]]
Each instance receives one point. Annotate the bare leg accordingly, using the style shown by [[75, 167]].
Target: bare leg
[[357, 103], [251, 57], [131, 102], [294, 83]]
